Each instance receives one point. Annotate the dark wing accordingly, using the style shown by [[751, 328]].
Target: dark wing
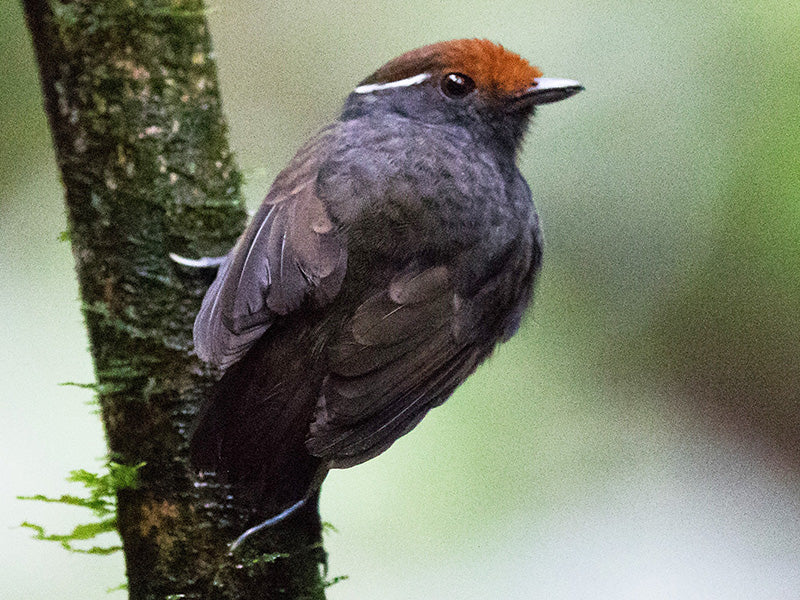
[[290, 252], [404, 351]]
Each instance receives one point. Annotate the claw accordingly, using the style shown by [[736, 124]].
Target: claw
[[204, 262]]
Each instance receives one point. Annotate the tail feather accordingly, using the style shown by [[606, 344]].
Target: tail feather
[[252, 430]]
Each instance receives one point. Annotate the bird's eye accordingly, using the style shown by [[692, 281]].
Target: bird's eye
[[457, 85]]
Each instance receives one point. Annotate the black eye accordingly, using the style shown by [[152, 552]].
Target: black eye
[[457, 85]]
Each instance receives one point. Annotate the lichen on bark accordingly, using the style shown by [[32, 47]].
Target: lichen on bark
[[131, 94]]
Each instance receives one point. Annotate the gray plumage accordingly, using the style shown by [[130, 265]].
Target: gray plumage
[[394, 252]]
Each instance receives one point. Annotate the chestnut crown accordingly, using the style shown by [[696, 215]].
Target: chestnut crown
[[493, 69]]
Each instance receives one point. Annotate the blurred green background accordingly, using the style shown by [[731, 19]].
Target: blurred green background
[[640, 437]]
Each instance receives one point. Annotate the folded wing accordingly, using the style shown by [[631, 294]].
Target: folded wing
[[290, 252]]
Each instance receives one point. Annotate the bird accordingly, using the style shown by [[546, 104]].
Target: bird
[[390, 257]]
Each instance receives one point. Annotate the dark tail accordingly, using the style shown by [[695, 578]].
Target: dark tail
[[251, 432]]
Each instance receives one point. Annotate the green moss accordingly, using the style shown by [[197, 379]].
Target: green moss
[[101, 500], [265, 558], [334, 580], [82, 532], [99, 388]]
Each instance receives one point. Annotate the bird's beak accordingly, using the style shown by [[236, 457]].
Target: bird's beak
[[547, 89]]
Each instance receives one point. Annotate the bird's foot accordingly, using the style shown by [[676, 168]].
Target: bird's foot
[[204, 262]]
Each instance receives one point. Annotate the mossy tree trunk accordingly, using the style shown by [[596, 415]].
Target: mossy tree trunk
[[131, 95]]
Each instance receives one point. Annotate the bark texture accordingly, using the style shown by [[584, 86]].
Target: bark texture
[[130, 91]]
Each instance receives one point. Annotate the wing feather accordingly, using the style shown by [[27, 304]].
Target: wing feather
[[407, 348], [290, 252], [396, 358]]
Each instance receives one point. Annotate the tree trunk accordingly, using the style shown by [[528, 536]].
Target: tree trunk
[[131, 95]]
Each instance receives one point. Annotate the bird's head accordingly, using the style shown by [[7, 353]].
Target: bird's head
[[470, 82]]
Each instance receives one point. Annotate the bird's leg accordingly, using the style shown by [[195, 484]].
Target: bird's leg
[[313, 488], [269, 522]]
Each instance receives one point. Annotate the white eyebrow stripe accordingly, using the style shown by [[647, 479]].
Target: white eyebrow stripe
[[408, 81]]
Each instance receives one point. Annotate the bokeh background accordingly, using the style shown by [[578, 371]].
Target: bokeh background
[[639, 438]]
